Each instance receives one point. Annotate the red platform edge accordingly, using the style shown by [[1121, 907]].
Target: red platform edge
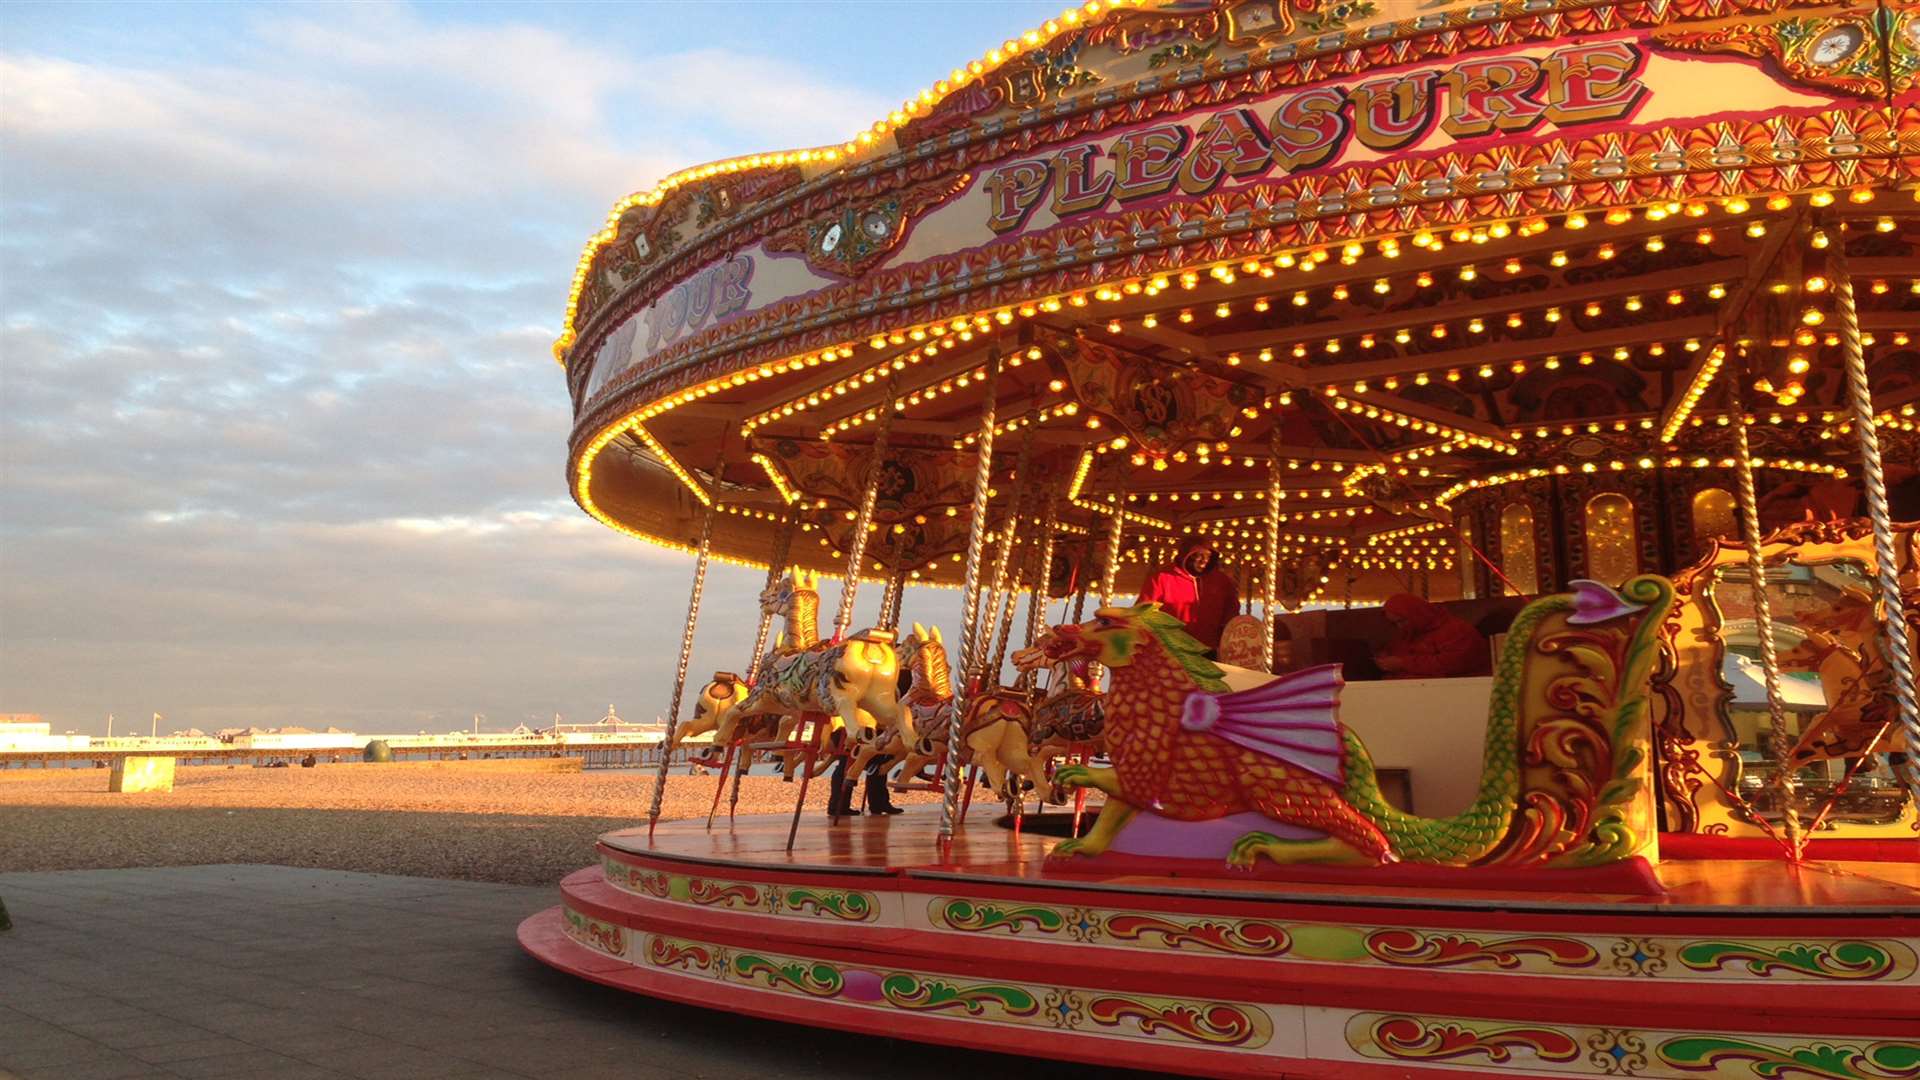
[[1633, 877], [1765, 849], [544, 937], [1758, 1008]]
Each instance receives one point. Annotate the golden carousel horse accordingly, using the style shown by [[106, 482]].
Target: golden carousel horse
[[928, 698], [1843, 646], [852, 681]]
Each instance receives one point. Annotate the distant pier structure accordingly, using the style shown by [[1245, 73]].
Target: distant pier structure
[[611, 742]]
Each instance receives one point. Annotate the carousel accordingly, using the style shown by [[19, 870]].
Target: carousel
[[1588, 323]]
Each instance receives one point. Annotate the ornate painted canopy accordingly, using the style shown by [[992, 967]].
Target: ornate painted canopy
[[1432, 257]]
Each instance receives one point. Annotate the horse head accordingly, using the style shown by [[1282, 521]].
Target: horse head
[[925, 654]]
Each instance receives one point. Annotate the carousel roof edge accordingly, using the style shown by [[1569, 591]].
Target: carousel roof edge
[[875, 136], [1301, 27]]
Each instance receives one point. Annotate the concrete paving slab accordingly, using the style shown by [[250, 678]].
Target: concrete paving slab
[[279, 973]]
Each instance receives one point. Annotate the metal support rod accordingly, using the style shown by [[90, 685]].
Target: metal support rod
[[776, 566], [1898, 646], [1110, 569], [680, 673], [890, 600], [1080, 596], [1777, 739], [1005, 591], [969, 601], [994, 610], [1042, 579], [1269, 580], [863, 521], [1010, 605], [991, 610]]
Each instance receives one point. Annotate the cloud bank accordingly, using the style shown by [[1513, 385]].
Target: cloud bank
[[282, 442]]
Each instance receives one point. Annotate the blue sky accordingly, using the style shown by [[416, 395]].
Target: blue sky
[[282, 441]]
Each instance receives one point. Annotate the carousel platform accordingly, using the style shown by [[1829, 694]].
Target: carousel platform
[[1729, 967]]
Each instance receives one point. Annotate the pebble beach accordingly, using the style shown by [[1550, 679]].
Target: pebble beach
[[474, 821]]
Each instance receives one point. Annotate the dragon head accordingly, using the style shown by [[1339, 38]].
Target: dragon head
[[1109, 638], [1115, 636]]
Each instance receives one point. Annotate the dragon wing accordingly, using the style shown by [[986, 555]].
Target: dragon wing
[[1294, 718]]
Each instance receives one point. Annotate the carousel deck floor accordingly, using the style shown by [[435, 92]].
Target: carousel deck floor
[[907, 845]]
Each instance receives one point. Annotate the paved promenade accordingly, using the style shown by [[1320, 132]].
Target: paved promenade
[[290, 974]]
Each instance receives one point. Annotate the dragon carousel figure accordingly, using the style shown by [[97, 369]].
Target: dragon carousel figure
[[1560, 782]]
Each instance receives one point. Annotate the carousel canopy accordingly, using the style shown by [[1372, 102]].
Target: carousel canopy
[[1389, 266]]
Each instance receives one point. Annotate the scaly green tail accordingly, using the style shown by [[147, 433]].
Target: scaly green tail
[[1472, 833]]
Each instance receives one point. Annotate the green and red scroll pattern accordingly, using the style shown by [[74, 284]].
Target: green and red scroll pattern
[[1411, 1038], [1830, 1060], [1823, 960], [1410, 947], [847, 905], [1619, 1052], [1423, 949], [597, 934], [1154, 1018]]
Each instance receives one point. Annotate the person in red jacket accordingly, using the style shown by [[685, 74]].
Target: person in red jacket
[[1193, 589], [1428, 643]]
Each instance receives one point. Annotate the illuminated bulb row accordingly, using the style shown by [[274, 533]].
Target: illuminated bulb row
[[1905, 418], [1229, 495], [1690, 398], [1403, 564], [1590, 467], [1397, 462], [1591, 427], [787, 494], [1301, 350], [1051, 412], [1306, 260], [1430, 427], [1421, 529]]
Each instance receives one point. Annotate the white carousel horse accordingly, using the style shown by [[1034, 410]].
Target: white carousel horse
[[852, 681]]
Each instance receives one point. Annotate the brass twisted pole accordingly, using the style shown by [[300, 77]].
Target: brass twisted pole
[[863, 521], [969, 603], [1110, 571], [890, 600], [1269, 584], [1777, 740], [1037, 595], [992, 608], [1899, 646], [1110, 568], [776, 566], [1004, 593], [680, 673], [1080, 595]]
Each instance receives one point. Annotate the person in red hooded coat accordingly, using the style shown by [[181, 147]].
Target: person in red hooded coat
[[1193, 589], [1428, 643]]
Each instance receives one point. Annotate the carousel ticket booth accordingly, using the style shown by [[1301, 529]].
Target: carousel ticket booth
[[1589, 322]]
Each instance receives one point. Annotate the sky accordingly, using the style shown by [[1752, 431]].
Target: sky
[[281, 438]]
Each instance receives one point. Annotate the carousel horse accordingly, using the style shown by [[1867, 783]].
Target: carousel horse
[[929, 695], [726, 690], [1842, 645], [1015, 734], [852, 681]]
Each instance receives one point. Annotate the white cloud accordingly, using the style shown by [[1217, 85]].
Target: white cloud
[[280, 438]]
